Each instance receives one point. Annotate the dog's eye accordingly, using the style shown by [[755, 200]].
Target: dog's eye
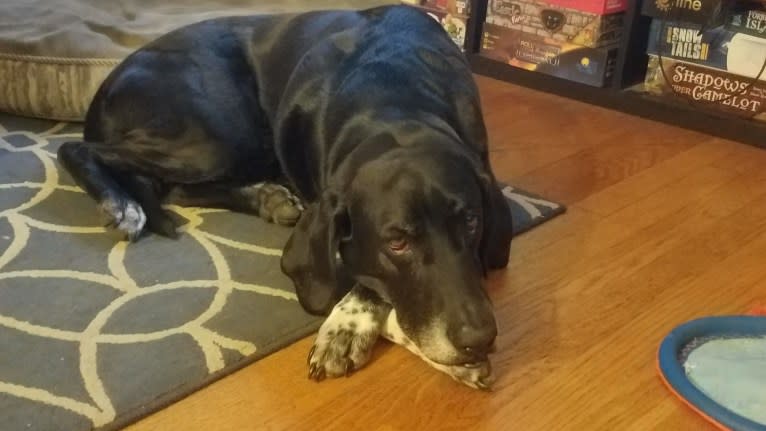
[[472, 223], [398, 246]]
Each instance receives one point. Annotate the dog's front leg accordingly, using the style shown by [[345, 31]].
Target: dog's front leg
[[348, 335]]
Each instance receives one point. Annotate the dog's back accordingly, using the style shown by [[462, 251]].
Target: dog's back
[[242, 100]]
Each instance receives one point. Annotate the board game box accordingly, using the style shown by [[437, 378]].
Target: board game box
[[456, 25], [692, 11], [601, 7], [551, 21], [719, 47], [592, 66], [706, 87], [750, 20], [455, 7]]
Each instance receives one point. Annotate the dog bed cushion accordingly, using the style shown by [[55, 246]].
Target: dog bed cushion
[[55, 53]]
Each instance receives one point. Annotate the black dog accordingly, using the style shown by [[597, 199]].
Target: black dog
[[371, 117]]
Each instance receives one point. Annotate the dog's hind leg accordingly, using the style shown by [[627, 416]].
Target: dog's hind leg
[[129, 202], [122, 212], [149, 194], [272, 202]]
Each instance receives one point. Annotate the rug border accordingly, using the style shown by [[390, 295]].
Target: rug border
[[133, 416], [555, 212]]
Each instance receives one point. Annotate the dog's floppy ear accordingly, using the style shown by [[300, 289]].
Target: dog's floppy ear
[[310, 255], [495, 244]]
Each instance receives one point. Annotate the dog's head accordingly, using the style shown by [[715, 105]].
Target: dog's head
[[420, 228]]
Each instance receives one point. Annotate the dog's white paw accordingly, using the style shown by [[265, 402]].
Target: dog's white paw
[[345, 340], [126, 216]]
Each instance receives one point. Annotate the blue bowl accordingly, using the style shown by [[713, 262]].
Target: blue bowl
[[672, 371]]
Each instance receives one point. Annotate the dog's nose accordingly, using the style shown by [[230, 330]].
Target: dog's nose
[[475, 341]]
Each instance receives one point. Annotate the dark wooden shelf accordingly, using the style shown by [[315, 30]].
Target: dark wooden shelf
[[622, 95], [631, 101]]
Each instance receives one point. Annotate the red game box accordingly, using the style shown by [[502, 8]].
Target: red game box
[[546, 19], [601, 7]]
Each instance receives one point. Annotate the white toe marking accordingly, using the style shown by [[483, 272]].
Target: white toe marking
[[111, 209], [133, 220], [349, 332]]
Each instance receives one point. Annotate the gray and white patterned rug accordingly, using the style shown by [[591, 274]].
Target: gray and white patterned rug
[[96, 332]]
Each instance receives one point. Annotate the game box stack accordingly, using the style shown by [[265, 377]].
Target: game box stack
[[451, 14], [571, 39], [710, 53]]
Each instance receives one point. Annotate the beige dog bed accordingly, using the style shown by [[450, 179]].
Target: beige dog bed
[[55, 53]]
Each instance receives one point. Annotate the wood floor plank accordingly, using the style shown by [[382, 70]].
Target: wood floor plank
[[595, 241], [664, 225], [576, 177], [623, 193]]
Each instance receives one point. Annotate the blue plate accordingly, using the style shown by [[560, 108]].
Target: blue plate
[[672, 370]]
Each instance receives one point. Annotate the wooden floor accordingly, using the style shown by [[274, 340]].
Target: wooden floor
[[664, 225]]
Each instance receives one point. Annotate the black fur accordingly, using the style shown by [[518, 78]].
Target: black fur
[[372, 117]]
